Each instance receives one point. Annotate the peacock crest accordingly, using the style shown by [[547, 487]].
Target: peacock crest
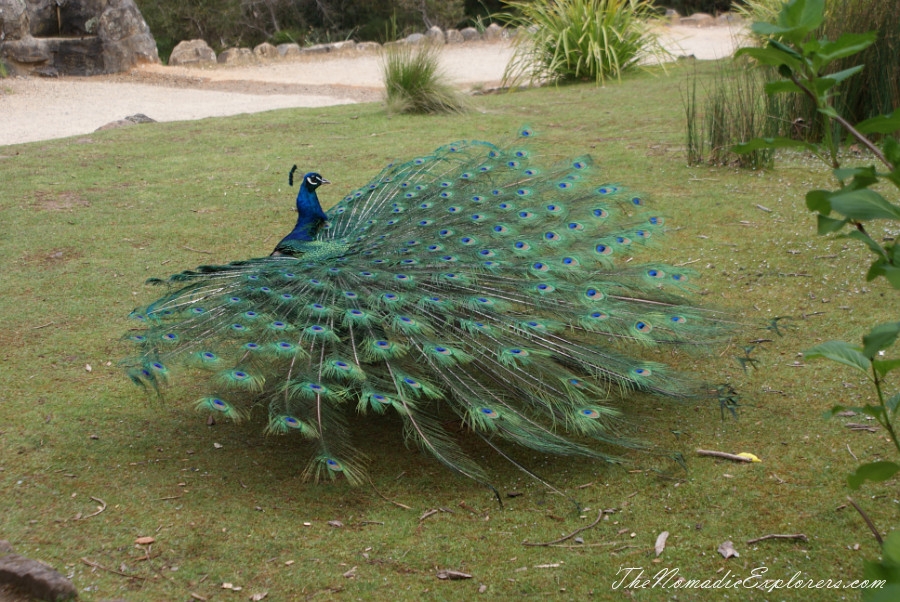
[[472, 278]]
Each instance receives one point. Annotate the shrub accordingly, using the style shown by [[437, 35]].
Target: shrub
[[572, 40], [875, 91], [414, 83]]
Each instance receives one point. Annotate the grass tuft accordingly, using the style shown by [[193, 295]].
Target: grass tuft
[[734, 109], [414, 82]]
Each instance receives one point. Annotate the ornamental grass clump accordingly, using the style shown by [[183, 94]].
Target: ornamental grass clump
[[573, 40], [414, 82]]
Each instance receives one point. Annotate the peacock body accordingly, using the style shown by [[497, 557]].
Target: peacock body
[[471, 278]]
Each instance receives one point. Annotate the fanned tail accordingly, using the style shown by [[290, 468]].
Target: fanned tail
[[471, 278]]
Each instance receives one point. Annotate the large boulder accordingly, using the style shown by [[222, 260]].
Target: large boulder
[[266, 51], [75, 37], [236, 56], [13, 20], [192, 52]]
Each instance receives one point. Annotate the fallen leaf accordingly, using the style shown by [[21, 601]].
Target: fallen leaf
[[88, 368], [144, 541], [351, 573], [258, 597], [661, 542], [726, 549], [335, 523], [199, 597], [482, 588], [749, 456], [448, 574], [218, 445]]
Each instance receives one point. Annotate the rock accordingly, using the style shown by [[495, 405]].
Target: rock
[[698, 20], [266, 51], [130, 120], [27, 50], [37, 579], [415, 38], [237, 56], [672, 16], [345, 45], [368, 47], [5, 547], [728, 19], [284, 50], [454, 37], [13, 20], [317, 49], [192, 52], [126, 38], [470, 34], [493, 33], [435, 35], [75, 37]]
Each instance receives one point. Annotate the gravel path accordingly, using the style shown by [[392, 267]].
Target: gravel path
[[34, 109]]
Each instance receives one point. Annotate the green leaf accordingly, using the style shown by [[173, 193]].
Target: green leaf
[[796, 19], [828, 112], [863, 205], [844, 74], [892, 403], [827, 225], [892, 274], [883, 367], [880, 338], [868, 241], [890, 550], [862, 177], [891, 150], [846, 45], [762, 143], [770, 56], [881, 124], [874, 471], [819, 200], [842, 353], [781, 86]]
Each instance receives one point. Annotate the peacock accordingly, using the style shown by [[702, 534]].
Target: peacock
[[472, 280]]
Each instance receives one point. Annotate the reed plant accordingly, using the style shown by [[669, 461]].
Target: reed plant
[[732, 109]]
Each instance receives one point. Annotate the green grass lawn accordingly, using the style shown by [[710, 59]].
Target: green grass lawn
[[86, 220]]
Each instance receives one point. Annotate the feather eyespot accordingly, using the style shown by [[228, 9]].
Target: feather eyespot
[[654, 273], [489, 413], [602, 249], [643, 327], [678, 319], [593, 294]]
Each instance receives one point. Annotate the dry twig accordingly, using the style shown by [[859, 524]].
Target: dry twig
[[779, 536], [718, 454], [569, 536]]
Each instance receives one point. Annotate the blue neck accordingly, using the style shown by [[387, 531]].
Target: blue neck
[[309, 215]]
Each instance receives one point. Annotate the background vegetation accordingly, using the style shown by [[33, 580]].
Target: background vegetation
[[226, 23], [88, 219]]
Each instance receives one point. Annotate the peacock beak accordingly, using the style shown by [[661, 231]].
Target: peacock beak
[[324, 181]]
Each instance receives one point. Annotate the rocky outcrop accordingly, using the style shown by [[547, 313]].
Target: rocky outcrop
[[38, 580], [192, 52], [77, 37]]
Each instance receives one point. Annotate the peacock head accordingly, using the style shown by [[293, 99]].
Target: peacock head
[[313, 180]]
